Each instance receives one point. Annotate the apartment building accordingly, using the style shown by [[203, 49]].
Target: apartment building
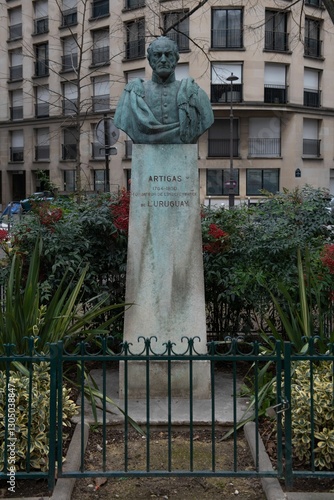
[[64, 64]]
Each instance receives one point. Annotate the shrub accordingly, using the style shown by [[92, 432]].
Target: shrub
[[40, 416], [323, 417]]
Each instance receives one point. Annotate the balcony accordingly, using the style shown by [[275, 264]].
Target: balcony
[[276, 41], [41, 26], [42, 153], [69, 106], [15, 73], [134, 4], [312, 47], [101, 102], [15, 31], [135, 49], [97, 151], [69, 18], [227, 39], [100, 8], [221, 93], [69, 62], [221, 148], [311, 147], [100, 55], [16, 154], [266, 148], [42, 110], [42, 68], [69, 152], [275, 94], [16, 113], [181, 39], [312, 98]]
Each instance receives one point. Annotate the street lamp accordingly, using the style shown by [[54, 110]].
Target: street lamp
[[232, 78]]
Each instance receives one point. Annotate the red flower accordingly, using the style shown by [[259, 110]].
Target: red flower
[[327, 257], [216, 232], [120, 211], [3, 234]]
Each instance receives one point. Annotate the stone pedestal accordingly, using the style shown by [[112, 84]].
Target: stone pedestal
[[165, 265]]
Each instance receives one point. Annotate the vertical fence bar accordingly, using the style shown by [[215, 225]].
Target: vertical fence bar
[[311, 352], [104, 405], [256, 407], [169, 393], [287, 420], [126, 407], [82, 385], [278, 360], [31, 367], [235, 416], [213, 409], [59, 398], [148, 342], [54, 380], [191, 407]]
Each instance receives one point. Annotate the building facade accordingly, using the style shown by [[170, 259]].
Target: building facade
[[64, 65]]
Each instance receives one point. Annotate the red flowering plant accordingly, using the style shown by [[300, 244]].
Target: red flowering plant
[[215, 240], [120, 211], [48, 215]]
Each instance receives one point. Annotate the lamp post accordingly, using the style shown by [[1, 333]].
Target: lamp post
[[232, 78]]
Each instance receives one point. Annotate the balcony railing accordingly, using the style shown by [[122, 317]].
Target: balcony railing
[[100, 55], [41, 25], [128, 149], [314, 3], [16, 154], [276, 94], [135, 49], [268, 147], [311, 147], [69, 62], [312, 98], [69, 17], [42, 68], [16, 113], [42, 152], [227, 39], [312, 47], [16, 73], [134, 4], [69, 106], [222, 93], [182, 39], [69, 152], [100, 8], [15, 31], [42, 109], [221, 148], [98, 151], [276, 40], [101, 102]]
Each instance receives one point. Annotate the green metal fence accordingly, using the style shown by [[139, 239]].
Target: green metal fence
[[232, 357]]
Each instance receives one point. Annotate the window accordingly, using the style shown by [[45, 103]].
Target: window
[[42, 102], [135, 39], [218, 182], [180, 33], [276, 36], [101, 97], [69, 149], [99, 180], [70, 94], [69, 16], [100, 52], [314, 3], [69, 61], [275, 89], [17, 146], [42, 148], [41, 22], [100, 8], [219, 139], [16, 109], [69, 181], [181, 71], [134, 4], [227, 29], [264, 137], [312, 42], [16, 65], [311, 87], [311, 142], [220, 87], [262, 179], [128, 148], [137, 73], [15, 23], [42, 59]]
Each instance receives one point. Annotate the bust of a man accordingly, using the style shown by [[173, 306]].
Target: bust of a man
[[163, 110]]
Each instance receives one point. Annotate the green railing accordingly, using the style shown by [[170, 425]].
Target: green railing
[[232, 357]]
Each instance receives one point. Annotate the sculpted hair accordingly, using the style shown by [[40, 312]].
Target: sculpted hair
[[173, 44]]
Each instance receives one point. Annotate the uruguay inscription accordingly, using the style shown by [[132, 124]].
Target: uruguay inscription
[[165, 191]]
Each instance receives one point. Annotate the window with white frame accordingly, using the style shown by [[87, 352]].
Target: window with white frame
[[41, 21], [16, 65], [69, 13], [311, 142], [17, 145], [312, 42], [15, 23], [42, 149], [221, 89], [101, 89], [311, 87], [42, 101], [264, 137], [100, 52], [275, 88], [70, 53], [16, 109], [70, 94]]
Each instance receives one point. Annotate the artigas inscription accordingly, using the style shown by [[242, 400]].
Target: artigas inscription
[[160, 187]]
